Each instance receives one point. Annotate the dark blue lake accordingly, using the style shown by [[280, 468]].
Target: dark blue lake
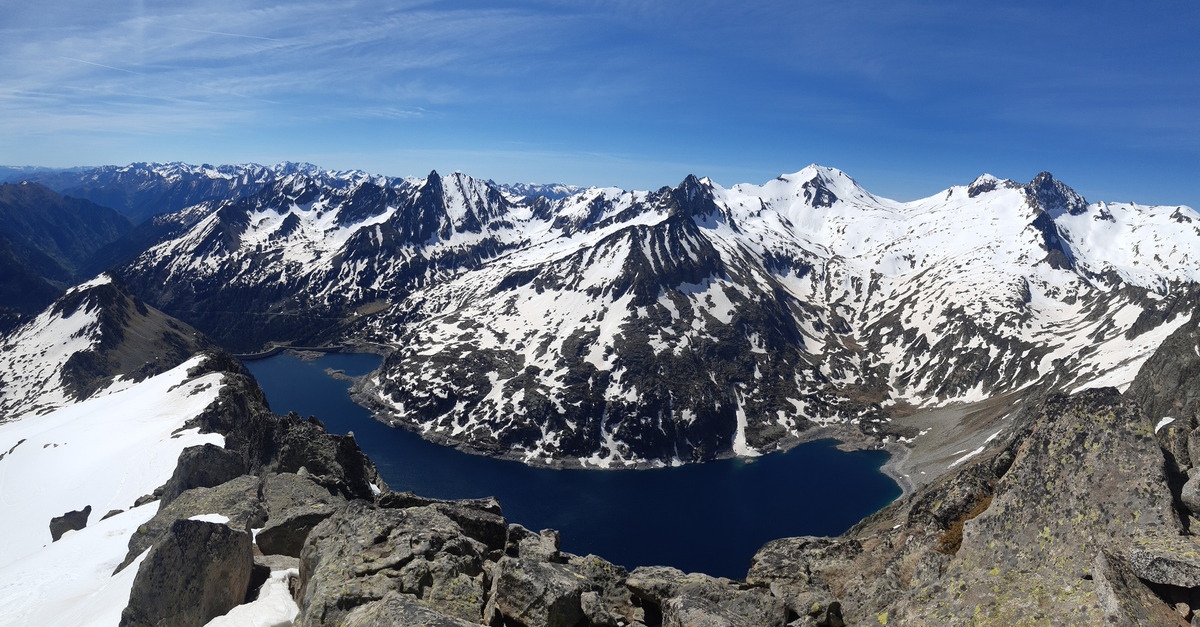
[[707, 518]]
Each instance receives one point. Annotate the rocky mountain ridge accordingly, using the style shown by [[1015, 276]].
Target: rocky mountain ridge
[[612, 328]]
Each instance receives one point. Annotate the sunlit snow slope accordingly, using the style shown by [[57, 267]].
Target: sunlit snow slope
[[85, 425]]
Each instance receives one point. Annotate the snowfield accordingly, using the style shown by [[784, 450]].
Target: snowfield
[[104, 452]]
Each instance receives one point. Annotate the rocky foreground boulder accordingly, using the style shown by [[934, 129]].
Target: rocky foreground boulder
[[199, 570]]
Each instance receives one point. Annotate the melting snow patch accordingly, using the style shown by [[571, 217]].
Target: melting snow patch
[[273, 606], [212, 518], [112, 450], [1162, 423], [966, 457]]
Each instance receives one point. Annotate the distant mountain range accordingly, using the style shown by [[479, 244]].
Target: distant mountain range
[[46, 240], [610, 327]]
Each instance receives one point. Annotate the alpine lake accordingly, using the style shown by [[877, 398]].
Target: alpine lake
[[708, 518]]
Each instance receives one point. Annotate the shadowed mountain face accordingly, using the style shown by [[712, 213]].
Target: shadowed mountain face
[[45, 242], [611, 328]]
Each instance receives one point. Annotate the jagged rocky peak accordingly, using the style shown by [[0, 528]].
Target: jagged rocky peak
[[299, 188], [817, 192], [1054, 197], [692, 198]]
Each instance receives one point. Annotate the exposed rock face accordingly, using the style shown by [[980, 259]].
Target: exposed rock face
[[237, 500], [363, 552], [535, 594], [707, 600], [202, 467], [70, 521], [284, 491], [1168, 384], [1090, 477], [1016, 535], [400, 609], [285, 533], [543, 546], [295, 504], [198, 571], [1125, 600]]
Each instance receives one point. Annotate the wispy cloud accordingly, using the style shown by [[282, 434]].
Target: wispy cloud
[[675, 85]]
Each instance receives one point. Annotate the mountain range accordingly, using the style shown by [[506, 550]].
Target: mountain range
[[636, 328]]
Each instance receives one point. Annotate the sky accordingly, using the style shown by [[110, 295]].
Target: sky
[[908, 98]]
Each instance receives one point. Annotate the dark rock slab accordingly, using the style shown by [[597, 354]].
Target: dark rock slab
[[362, 552], [285, 444], [285, 533], [534, 594], [196, 572], [1125, 600], [203, 466], [237, 500], [70, 521], [400, 609]]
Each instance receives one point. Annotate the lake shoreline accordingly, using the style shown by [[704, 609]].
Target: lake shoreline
[[848, 440], [670, 517]]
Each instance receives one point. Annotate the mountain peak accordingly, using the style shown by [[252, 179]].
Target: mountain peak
[[1055, 197]]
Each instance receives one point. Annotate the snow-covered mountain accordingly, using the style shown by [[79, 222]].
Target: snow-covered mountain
[[549, 191], [82, 426], [127, 442], [613, 327], [97, 338], [143, 190]]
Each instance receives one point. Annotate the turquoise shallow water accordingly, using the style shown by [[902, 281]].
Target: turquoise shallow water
[[703, 517]]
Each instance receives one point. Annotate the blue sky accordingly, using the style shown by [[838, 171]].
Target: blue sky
[[907, 97]]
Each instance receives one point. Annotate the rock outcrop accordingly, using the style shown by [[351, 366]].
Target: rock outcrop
[[202, 467], [236, 500], [196, 572], [70, 521]]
